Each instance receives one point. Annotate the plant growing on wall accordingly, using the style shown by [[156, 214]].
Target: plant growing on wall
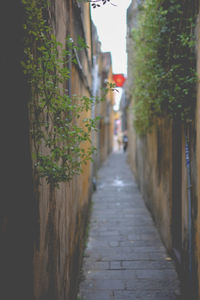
[[61, 137], [164, 62]]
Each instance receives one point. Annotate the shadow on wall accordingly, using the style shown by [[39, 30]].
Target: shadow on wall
[[16, 193]]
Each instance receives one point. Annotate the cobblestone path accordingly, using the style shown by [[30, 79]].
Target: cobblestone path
[[125, 258]]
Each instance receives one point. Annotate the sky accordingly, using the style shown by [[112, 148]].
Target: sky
[[110, 22], [111, 27]]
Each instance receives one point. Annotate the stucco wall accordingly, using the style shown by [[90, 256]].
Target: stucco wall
[[158, 161], [62, 212], [41, 228], [150, 158]]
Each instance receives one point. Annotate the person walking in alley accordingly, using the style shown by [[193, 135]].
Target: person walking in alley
[[125, 141]]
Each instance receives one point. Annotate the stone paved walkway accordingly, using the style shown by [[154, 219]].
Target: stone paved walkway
[[124, 258]]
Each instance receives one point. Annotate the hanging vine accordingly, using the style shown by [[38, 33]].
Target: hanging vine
[[59, 134]]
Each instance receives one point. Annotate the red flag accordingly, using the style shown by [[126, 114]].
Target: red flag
[[119, 79]]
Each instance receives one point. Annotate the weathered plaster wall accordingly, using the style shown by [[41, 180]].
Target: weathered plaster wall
[[41, 229], [159, 164], [150, 158], [106, 108], [62, 212]]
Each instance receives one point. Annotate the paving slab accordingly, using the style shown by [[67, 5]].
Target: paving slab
[[124, 258]]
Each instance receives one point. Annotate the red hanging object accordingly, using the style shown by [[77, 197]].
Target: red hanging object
[[119, 79]]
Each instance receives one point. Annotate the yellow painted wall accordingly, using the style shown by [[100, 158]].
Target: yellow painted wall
[[62, 212]]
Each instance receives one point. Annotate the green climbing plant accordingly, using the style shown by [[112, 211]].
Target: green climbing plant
[[164, 62], [60, 135]]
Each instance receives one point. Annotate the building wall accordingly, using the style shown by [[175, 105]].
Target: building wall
[[106, 108], [197, 224], [150, 158], [41, 229], [62, 213], [102, 73], [131, 22], [16, 193], [159, 164]]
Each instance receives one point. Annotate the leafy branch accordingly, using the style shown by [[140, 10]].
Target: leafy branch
[[61, 137]]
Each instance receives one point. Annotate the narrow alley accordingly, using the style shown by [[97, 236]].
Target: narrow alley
[[124, 257], [81, 82]]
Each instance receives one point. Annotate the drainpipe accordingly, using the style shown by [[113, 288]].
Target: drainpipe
[[189, 193]]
